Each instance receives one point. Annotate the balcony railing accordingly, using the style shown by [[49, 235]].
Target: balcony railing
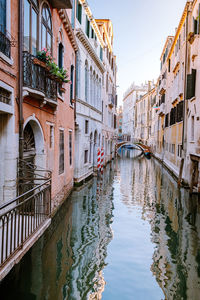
[[38, 78], [5, 44]]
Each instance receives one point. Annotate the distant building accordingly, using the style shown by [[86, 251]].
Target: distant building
[[130, 97]]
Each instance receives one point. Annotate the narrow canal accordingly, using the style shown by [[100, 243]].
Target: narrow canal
[[131, 235]]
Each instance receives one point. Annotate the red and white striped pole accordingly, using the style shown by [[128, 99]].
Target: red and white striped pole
[[102, 158], [99, 159]]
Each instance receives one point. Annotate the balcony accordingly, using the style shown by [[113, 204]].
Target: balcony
[[61, 3], [5, 44], [37, 81], [111, 100]]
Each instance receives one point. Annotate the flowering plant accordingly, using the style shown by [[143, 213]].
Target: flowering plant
[[44, 55], [59, 73]]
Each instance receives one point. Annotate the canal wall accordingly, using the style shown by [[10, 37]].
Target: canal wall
[[174, 172]]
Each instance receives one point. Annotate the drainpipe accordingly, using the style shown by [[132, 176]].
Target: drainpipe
[[20, 68], [184, 132]]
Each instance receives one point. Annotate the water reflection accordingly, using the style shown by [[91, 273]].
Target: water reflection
[[67, 262], [154, 253], [175, 225]]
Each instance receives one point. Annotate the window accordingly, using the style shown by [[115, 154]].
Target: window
[[101, 53], [85, 156], [191, 84], [72, 84], [86, 81], [79, 12], [90, 158], [5, 96], [3, 16], [70, 147], [60, 55], [192, 128], [86, 126], [87, 27], [51, 138], [167, 120], [115, 122], [61, 152], [92, 33], [179, 150], [46, 28], [5, 45], [30, 26]]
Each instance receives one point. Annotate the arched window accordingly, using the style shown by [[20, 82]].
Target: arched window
[[94, 89], [30, 26], [60, 55], [86, 81], [46, 29], [91, 87]]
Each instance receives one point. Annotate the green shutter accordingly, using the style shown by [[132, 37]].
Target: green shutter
[[191, 84]]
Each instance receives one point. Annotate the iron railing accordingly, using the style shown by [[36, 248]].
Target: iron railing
[[21, 217], [30, 176], [5, 44], [38, 78]]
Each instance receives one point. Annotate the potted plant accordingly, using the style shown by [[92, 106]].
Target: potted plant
[[42, 58]]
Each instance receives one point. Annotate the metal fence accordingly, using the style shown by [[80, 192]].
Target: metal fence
[[21, 217]]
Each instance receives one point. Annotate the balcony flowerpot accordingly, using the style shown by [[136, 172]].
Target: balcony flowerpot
[[62, 89], [38, 62]]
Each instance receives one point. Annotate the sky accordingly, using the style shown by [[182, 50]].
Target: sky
[[140, 31]]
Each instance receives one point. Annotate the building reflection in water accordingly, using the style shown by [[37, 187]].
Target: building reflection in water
[[68, 260], [174, 216], [91, 233]]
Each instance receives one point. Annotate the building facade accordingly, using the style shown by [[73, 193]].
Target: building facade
[[8, 96], [89, 76], [48, 108], [130, 97], [109, 95], [169, 123]]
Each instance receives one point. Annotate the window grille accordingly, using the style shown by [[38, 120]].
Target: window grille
[[5, 96]]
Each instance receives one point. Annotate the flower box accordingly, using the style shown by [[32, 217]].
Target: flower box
[[38, 62], [62, 89]]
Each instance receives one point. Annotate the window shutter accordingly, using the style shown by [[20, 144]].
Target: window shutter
[[193, 82], [189, 86], [194, 26], [169, 65]]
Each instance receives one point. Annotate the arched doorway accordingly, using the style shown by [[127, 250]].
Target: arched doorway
[[33, 156]]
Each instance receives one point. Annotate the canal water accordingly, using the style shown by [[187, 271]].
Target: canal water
[[129, 235]]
